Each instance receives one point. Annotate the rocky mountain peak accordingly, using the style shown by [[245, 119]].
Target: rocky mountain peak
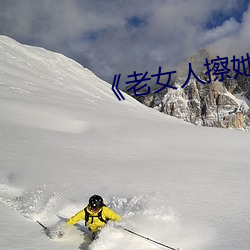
[[222, 104]]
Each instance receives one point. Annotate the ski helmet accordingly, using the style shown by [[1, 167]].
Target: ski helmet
[[95, 202]]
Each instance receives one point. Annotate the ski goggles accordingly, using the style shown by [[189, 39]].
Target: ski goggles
[[94, 208]]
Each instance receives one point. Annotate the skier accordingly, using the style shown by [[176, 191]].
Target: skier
[[95, 214]]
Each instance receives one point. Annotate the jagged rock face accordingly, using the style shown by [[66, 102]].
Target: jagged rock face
[[212, 105]]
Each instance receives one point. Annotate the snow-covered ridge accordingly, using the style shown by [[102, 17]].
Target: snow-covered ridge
[[33, 74], [46, 68], [27, 69]]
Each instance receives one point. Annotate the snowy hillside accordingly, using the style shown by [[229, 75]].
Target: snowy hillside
[[64, 136]]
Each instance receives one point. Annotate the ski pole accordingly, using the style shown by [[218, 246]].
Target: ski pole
[[146, 238], [45, 228]]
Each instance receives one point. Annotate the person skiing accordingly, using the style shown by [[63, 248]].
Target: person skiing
[[95, 214]]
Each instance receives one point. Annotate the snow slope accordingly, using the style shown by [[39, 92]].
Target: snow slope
[[64, 136]]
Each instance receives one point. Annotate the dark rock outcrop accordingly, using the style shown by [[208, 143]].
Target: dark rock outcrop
[[217, 104]]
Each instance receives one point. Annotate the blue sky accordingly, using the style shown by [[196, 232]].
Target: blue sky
[[218, 17], [118, 37]]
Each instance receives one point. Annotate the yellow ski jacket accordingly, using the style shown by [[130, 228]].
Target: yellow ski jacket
[[94, 223]]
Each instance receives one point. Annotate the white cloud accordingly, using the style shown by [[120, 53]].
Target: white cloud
[[97, 33], [236, 42], [228, 28]]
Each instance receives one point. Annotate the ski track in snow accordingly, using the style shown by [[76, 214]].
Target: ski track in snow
[[145, 214], [42, 116]]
